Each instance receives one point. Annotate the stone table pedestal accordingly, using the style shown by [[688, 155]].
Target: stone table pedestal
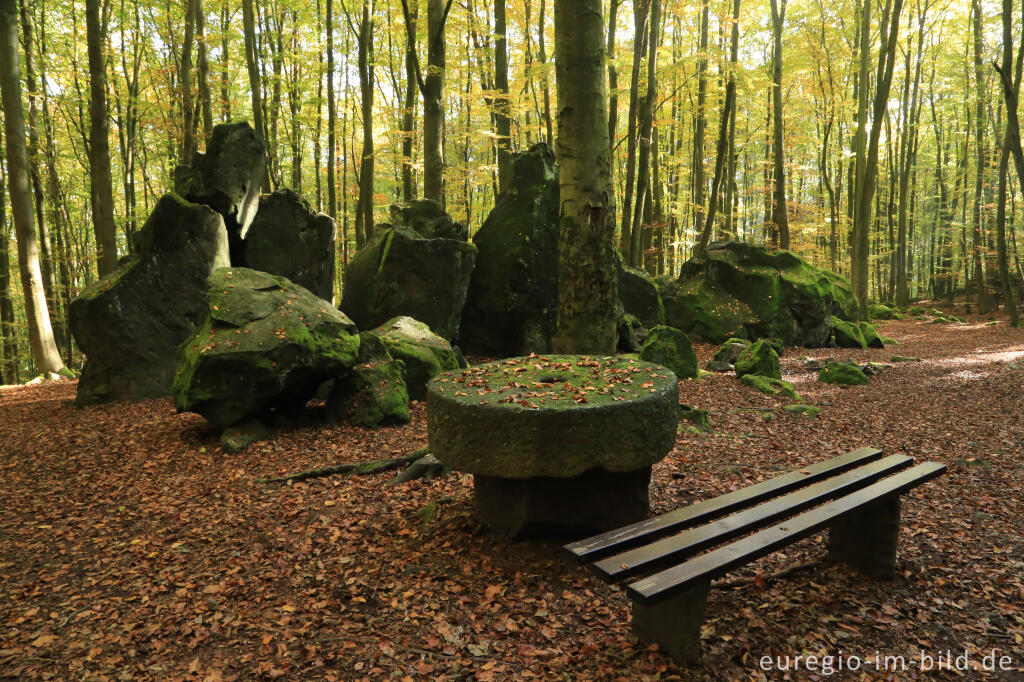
[[559, 444]]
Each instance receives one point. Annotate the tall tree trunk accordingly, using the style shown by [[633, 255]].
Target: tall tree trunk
[[255, 83], [542, 57], [722, 148], [364, 210], [502, 118], [646, 123], [101, 182], [980, 290], [1011, 145], [641, 13], [588, 287], [613, 82], [225, 82], [433, 110], [188, 140], [40, 334], [908, 163], [332, 143], [409, 111], [700, 120], [8, 338], [203, 74], [779, 213]]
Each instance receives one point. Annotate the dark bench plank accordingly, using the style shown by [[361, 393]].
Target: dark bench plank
[[621, 539], [720, 561], [689, 542]]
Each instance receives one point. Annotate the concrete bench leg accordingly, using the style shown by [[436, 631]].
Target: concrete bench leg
[[866, 539], [674, 622]]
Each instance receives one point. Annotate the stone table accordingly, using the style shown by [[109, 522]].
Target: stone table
[[557, 443]]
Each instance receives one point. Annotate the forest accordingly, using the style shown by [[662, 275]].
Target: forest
[[325, 325]]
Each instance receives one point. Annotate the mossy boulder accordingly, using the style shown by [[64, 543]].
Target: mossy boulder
[[842, 373], [374, 392], [428, 218], [759, 358], [847, 334], [870, 334], [670, 348], [904, 358], [639, 295], [404, 271], [770, 386], [730, 350], [288, 238], [266, 343], [748, 291], [881, 311], [423, 353], [916, 310], [512, 303], [130, 323], [810, 411], [553, 416]]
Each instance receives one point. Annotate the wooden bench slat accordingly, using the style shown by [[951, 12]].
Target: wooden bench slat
[[638, 533], [689, 542], [719, 561]]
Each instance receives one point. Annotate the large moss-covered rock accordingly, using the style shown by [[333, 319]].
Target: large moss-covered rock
[[759, 358], [423, 353], [553, 416], [402, 273], [847, 334], [428, 219], [129, 324], [670, 348], [512, 302], [266, 343], [227, 178], [745, 290], [290, 239], [770, 386], [730, 350], [842, 373], [639, 295], [374, 392], [870, 334]]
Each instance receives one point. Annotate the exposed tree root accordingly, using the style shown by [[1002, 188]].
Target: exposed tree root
[[353, 468]]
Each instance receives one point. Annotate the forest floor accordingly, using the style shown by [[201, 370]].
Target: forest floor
[[133, 547]]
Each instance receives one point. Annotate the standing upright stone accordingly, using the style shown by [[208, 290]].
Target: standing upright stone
[[227, 177], [129, 324], [289, 239]]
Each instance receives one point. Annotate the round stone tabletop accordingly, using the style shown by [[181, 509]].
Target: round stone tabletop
[[553, 415]]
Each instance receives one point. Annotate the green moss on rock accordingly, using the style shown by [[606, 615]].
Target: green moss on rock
[[806, 410], [671, 348], [759, 358], [847, 334], [423, 353], [870, 334], [730, 350], [842, 373], [904, 358], [770, 386]]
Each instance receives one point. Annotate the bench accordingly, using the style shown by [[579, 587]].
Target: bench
[[855, 496]]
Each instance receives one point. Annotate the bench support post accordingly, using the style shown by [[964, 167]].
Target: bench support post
[[866, 540], [674, 622]]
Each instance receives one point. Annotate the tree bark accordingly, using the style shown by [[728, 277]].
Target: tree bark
[[8, 338], [364, 209], [255, 83], [188, 139], [433, 110], [641, 13], [502, 118], [101, 182], [980, 290], [409, 111], [203, 74], [779, 212], [645, 139], [37, 317], [700, 120], [332, 118], [588, 287]]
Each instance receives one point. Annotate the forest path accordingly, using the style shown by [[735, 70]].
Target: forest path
[[133, 547]]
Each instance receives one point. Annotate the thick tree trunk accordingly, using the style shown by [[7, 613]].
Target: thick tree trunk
[[40, 334], [409, 111], [588, 288], [101, 183], [779, 213]]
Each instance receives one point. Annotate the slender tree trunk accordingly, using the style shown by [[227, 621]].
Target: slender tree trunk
[[40, 334], [588, 288], [409, 112], [205, 97], [542, 57], [225, 82], [641, 13], [613, 82], [188, 141], [700, 120], [364, 210], [722, 150], [332, 143], [779, 214], [646, 123], [101, 182], [980, 290], [502, 118], [8, 335], [1011, 145], [433, 110], [255, 82]]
